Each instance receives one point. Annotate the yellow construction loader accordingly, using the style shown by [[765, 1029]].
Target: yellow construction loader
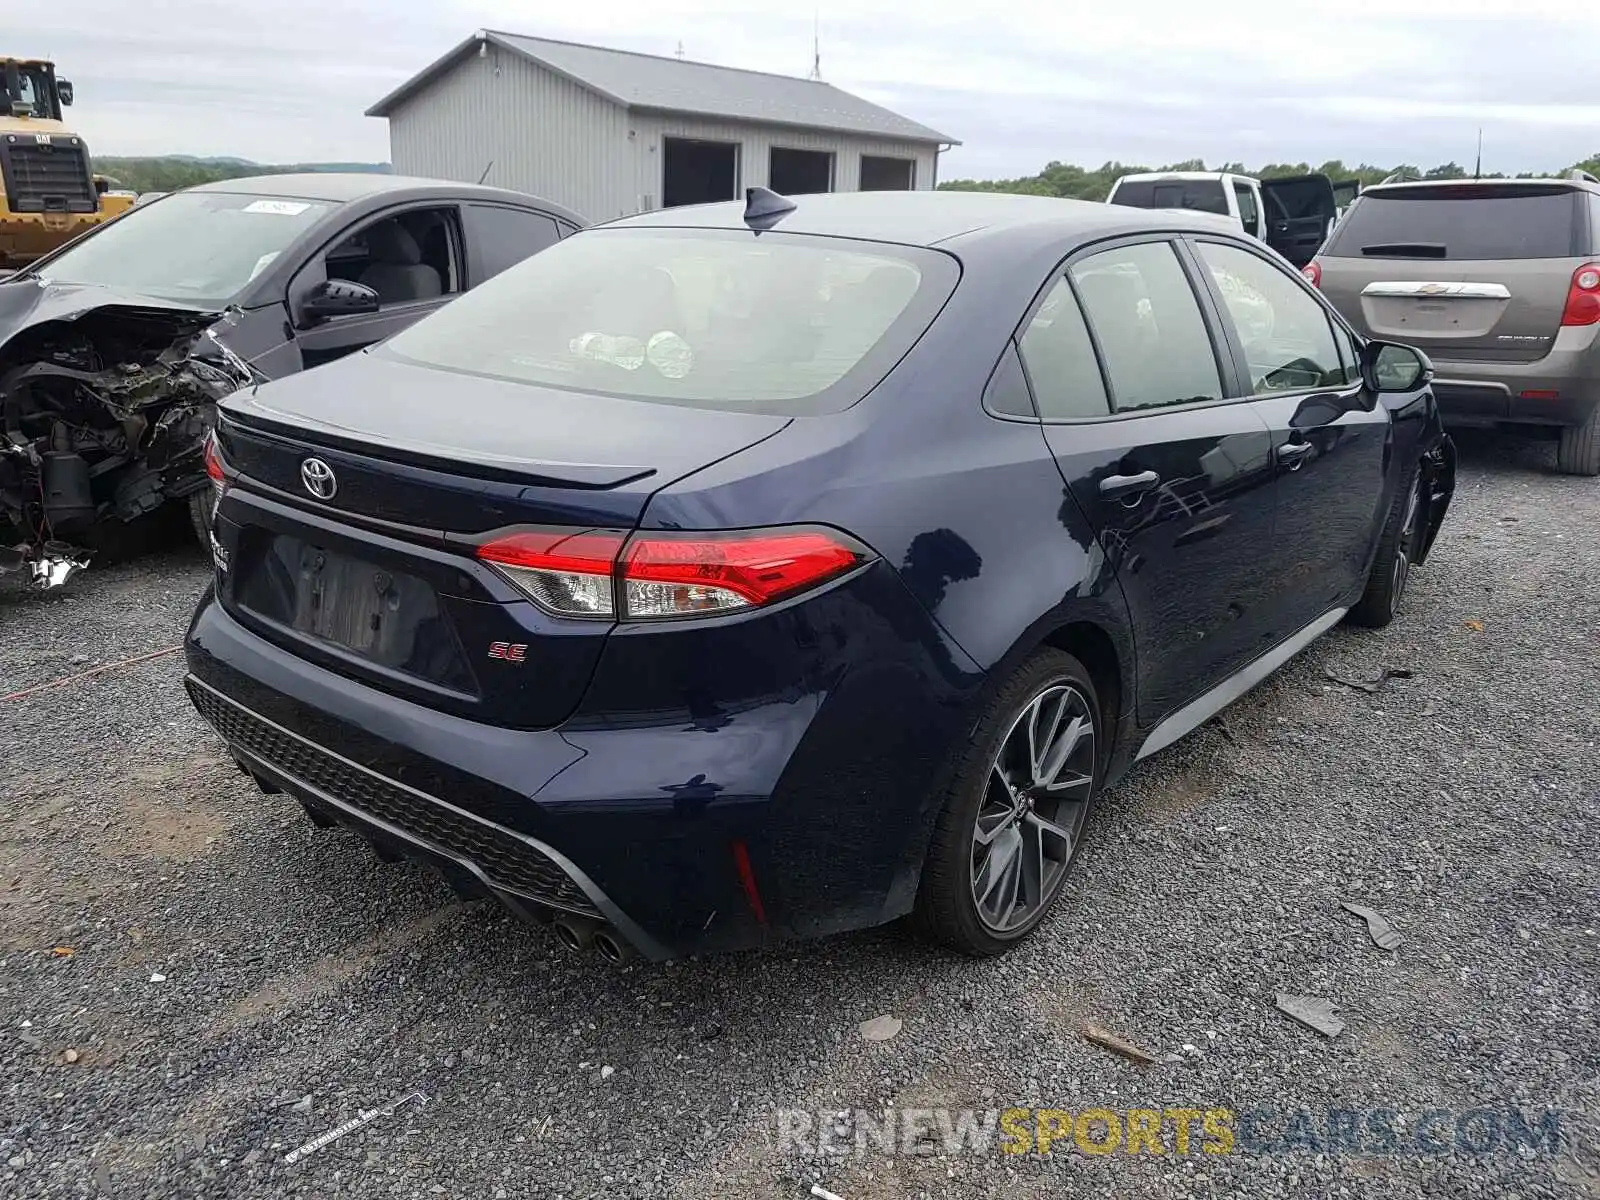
[[51, 193]]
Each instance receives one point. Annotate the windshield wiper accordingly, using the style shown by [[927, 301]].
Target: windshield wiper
[[1406, 249]]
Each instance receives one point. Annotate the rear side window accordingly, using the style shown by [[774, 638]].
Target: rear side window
[[1060, 359], [1464, 222], [714, 318], [1287, 336], [506, 236], [1148, 326], [1200, 195]]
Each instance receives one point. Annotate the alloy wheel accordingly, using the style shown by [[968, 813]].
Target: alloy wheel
[[1036, 798]]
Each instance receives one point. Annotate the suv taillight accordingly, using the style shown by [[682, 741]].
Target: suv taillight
[[1313, 273], [608, 574], [1583, 297]]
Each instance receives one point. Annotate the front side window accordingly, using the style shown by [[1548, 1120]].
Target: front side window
[[1060, 359], [405, 258], [197, 247], [1287, 337], [719, 318], [1147, 323]]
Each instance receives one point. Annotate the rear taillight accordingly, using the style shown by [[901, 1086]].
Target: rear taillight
[[215, 471], [566, 571], [1313, 273], [603, 573], [214, 462], [1583, 297]]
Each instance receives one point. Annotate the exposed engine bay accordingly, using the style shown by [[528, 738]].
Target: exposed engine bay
[[105, 414]]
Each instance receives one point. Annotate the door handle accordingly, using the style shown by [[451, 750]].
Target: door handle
[[1293, 454], [1124, 487]]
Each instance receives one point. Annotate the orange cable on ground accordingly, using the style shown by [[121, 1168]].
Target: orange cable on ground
[[126, 662]]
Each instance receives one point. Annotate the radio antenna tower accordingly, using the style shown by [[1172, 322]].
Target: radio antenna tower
[[816, 50]]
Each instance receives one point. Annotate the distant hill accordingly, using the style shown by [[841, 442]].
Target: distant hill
[[170, 172]]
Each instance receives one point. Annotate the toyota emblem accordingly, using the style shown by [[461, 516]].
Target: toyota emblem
[[318, 478]]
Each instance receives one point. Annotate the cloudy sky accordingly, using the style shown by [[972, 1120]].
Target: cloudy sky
[[1144, 81]]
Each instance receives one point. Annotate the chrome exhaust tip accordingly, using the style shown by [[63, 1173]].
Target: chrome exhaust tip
[[612, 948], [575, 935]]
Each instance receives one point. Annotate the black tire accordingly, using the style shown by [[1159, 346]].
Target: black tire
[[1402, 532], [1578, 451], [201, 505], [947, 909]]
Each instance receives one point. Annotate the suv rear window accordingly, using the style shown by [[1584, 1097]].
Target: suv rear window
[[1200, 195], [710, 318], [1463, 222]]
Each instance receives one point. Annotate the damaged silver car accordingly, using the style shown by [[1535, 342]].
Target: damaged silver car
[[115, 349]]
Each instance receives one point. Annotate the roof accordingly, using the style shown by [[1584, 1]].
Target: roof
[[1428, 185], [343, 187], [935, 218], [653, 82], [1151, 176]]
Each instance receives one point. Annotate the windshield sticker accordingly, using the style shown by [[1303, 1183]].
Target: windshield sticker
[[276, 208]]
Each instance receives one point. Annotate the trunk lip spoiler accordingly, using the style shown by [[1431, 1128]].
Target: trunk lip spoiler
[[1434, 290]]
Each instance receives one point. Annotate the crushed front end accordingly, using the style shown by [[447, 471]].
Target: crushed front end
[[104, 412]]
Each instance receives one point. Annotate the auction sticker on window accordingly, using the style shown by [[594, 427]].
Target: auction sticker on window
[[277, 208]]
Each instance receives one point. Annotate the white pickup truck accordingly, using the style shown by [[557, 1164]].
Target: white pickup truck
[[1291, 214]]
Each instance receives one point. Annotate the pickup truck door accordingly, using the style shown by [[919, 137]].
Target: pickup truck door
[[1299, 212]]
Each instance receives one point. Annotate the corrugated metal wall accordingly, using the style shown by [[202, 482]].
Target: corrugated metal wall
[[548, 136], [545, 135]]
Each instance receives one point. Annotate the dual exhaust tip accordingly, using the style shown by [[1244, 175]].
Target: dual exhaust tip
[[579, 935]]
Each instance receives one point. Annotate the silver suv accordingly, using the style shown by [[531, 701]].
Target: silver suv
[[1499, 282]]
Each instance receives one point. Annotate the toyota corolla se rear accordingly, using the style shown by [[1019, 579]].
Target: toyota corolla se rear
[[700, 580]]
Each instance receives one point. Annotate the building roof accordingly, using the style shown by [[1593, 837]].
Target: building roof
[[650, 81]]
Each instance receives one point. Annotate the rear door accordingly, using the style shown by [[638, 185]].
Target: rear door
[[500, 236], [1468, 272], [1177, 480], [1330, 437], [1300, 211]]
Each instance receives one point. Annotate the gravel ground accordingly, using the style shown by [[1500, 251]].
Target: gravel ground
[[239, 983]]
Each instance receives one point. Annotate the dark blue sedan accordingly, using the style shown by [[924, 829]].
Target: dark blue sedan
[[763, 570]]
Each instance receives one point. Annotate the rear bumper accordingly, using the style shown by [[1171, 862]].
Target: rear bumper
[[1565, 383], [799, 813]]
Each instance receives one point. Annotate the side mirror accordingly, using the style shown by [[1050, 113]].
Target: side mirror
[[1389, 368], [336, 298], [64, 91]]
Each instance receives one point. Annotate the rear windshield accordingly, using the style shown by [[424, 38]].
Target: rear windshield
[[712, 318], [1462, 223], [1201, 195]]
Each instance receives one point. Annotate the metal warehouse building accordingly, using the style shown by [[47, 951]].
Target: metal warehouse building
[[610, 132]]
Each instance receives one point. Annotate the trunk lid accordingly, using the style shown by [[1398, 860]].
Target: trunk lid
[[461, 455], [377, 579], [1465, 272]]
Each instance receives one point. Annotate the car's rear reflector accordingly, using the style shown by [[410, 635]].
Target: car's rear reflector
[[604, 573], [1583, 297], [1539, 395], [1313, 273]]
